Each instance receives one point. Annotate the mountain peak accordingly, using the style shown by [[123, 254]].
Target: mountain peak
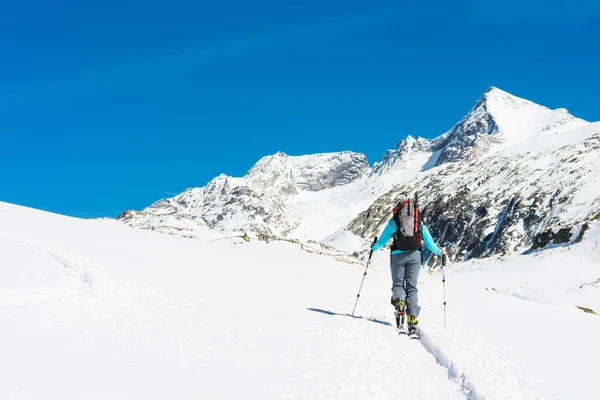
[[406, 150], [494, 89], [499, 119], [497, 100]]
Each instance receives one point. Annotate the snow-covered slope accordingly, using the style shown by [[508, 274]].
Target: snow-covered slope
[[494, 177], [92, 309]]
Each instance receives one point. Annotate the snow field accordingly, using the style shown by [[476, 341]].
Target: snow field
[[167, 317], [96, 310]]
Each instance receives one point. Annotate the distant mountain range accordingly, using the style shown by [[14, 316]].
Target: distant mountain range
[[510, 176]]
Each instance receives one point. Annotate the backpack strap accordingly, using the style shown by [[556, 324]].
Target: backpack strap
[[399, 206], [398, 224], [417, 226]]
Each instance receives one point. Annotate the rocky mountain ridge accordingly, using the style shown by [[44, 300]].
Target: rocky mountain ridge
[[505, 203], [256, 202]]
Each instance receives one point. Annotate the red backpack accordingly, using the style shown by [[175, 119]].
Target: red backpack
[[408, 226]]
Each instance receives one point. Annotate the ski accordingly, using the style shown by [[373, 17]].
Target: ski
[[401, 328], [401, 331]]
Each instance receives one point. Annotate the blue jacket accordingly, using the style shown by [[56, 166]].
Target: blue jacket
[[389, 230]]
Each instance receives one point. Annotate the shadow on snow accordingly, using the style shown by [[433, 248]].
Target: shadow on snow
[[377, 321]]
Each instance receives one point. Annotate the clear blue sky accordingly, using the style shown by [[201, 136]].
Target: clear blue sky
[[110, 105]]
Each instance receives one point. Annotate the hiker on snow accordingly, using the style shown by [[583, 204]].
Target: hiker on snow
[[405, 261]]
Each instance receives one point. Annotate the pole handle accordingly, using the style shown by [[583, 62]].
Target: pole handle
[[444, 261], [371, 252], [444, 255]]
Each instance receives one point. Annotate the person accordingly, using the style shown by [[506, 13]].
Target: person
[[409, 233]]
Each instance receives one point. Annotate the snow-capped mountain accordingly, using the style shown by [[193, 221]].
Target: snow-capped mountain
[[283, 174], [500, 119], [258, 201], [509, 175]]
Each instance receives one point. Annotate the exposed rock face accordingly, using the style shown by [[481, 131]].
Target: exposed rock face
[[287, 175], [127, 215]]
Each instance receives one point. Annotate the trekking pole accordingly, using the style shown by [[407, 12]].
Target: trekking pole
[[364, 276], [444, 260], [444, 257]]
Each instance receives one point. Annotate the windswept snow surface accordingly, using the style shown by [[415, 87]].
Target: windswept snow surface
[[91, 309]]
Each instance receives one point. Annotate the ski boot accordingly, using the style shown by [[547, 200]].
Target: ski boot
[[399, 314], [413, 327]]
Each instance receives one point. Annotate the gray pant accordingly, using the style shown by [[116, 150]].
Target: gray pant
[[405, 275]]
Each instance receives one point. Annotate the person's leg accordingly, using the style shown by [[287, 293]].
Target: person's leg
[[397, 266], [413, 267]]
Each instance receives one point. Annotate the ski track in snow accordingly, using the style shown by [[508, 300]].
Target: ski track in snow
[[78, 268], [478, 364], [94, 283], [368, 350], [454, 373]]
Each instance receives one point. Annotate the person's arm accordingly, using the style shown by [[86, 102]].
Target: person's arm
[[429, 242], [387, 233]]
